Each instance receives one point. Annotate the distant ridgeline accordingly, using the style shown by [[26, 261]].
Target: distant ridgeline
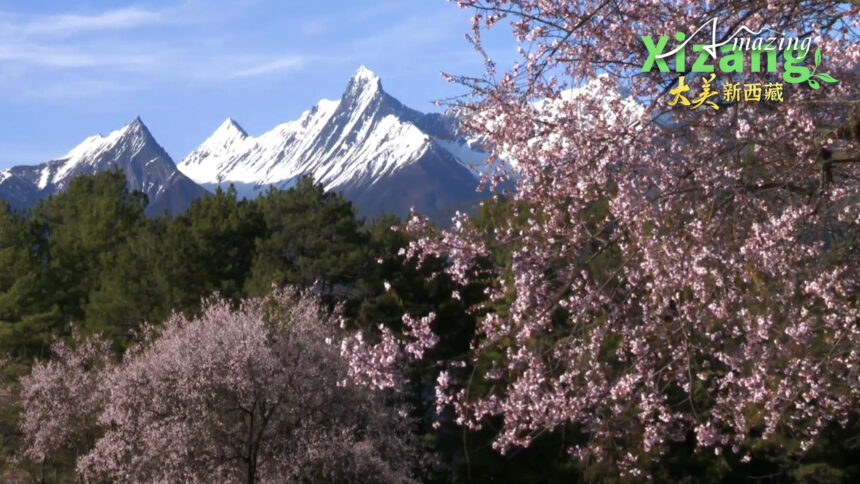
[[367, 145]]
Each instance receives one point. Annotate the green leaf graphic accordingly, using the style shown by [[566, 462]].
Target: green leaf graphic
[[826, 77], [813, 84], [817, 56]]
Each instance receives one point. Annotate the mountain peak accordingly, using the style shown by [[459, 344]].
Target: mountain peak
[[364, 74], [147, 168], [366, 145], [364, 80], [136, 127], [135, 133], [232, 128]]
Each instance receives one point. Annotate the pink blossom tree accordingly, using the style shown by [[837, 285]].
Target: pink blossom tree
[[253, 394], [675, 273], [62, 399]]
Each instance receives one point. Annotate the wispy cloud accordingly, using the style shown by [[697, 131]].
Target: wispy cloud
[[276, 65], [76, 89], [69, 41], [71, 57], [119, 19], [99, 42]]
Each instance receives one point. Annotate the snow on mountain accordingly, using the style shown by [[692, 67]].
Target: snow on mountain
[[132, 148], [367, 145], [359, 145], [606, 100], [469, 153]]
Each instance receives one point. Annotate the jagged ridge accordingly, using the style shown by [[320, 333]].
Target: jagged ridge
[[148, 168], [368, 145]]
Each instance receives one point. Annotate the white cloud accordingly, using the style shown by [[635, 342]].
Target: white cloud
[[66, 24], [90, 42], [193, 40], [66, 89], [62, 41], [71, 57], [267, 67], [122, 19]]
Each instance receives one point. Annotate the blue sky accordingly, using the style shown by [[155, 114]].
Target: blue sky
[[72, 69]]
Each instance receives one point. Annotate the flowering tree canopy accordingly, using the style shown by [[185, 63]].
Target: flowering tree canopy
[[673, 273], [253, 394]]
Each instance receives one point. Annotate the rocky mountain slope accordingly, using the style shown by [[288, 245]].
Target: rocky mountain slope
[[148, 168]]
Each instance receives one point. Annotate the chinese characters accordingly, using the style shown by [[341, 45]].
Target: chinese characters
[[731, 92]]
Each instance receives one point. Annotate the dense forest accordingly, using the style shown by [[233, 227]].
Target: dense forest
[[88, 262]]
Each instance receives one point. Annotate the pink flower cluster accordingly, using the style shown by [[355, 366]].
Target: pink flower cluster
[[247, 394], [705, 265]]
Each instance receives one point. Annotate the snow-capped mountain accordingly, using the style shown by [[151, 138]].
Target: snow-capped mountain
[[147, 168], [379, 153], [367, 145]]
